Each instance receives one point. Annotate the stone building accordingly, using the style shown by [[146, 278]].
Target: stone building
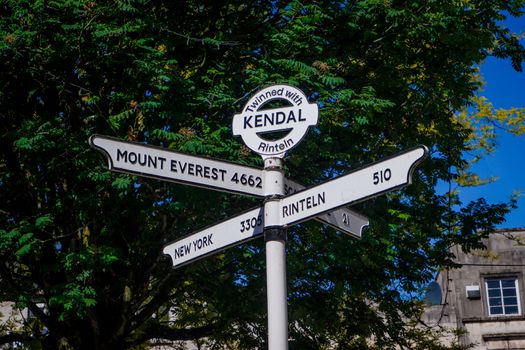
[[484, 299]]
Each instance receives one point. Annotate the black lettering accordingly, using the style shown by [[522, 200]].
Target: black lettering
[[268, 119], [258, 120], [223, 172], [162, 160], [182, 167], [122, 155], [295, 208], [302, 204], [134, 157], [182, 250], [143, 161], [207, 172], [215, 174], [280, 117], [291, 117], [191, 169], [247, 121], [301, 119], [173, 166], [152, 161], [198, 170], [321, 198], [196, 244]]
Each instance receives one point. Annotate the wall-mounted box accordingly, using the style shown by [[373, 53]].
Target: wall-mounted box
[[473, 292]]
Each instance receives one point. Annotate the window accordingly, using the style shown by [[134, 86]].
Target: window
[[503, 296]]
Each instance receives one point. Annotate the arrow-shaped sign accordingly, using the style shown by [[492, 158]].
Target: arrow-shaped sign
[[359, 185], [343, 219], [236, 230], [158, 163]]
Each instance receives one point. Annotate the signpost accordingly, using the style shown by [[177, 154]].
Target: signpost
[[286, 202], [159, 163]]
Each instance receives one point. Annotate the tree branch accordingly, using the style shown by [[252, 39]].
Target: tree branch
[[158, 331], [203, 41]]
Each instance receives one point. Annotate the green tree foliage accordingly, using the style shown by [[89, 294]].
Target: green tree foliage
[[86, 243]]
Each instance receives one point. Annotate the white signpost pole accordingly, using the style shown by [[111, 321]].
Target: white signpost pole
[[256, 119], [275, 238]]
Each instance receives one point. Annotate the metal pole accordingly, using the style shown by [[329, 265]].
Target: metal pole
[[275, 237]]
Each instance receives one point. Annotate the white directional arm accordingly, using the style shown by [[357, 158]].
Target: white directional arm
[[367, 182], [236, 230]]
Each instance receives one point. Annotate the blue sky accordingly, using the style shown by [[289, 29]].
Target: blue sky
[[505, 88]]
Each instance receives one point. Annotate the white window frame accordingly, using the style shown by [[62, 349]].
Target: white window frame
[[501, 288]]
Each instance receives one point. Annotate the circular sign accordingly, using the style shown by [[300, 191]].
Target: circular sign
[[255, 121]]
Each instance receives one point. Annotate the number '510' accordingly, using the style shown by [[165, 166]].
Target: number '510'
[[382, 176]]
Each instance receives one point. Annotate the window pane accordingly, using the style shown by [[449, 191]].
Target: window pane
[[510, 301], [492, 283], [509, 292], [508, 283], [496, 310], [495, 301], [509, 310], [494, 293]]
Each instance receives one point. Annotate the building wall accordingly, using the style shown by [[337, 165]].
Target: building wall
[[494, 277], [10, 317]]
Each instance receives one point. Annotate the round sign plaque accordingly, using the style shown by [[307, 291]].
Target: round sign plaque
[[254, 121]]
